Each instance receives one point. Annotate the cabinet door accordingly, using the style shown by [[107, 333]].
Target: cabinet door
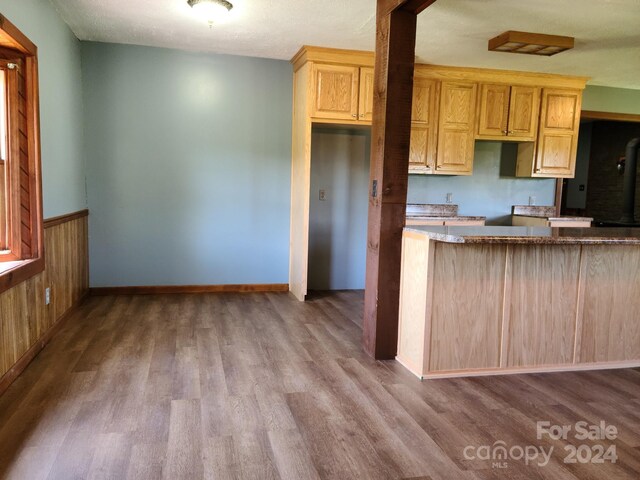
[[336, 92], [524, 108], [494, 110], [558, 135], [365, 109], [418, 158], [456, 128], [423, 126]]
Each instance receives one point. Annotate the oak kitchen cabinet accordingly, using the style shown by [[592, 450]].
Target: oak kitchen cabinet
[[555, 152], [456, 128], [424, 125], [342, 92], [508, 112], [329, 87], [442, 126], [336, 87]]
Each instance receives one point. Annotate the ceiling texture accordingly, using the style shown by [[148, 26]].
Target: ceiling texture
[[450, 32]]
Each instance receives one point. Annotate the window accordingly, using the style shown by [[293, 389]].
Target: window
[[4, 220], [21, 249]]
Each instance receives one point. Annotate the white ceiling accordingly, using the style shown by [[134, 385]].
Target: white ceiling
[[450, 32]]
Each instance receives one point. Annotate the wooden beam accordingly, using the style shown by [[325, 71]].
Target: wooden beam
[[417, 6], [393, 91], [385, 7]]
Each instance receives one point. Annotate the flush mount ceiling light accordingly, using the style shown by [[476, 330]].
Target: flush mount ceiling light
[[530, 43], [213, 11]]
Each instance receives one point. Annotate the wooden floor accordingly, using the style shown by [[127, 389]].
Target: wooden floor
[[259, 386]]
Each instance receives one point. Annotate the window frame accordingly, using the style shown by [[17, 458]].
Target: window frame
[[25, 257], [12, 171]]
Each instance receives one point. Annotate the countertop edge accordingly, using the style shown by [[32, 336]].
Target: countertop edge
[[562, 218], [522, 240]]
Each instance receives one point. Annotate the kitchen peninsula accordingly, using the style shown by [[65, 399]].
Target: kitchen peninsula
[[452, 109], [492, 300]]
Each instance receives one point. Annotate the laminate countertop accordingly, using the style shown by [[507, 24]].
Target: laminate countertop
[[444, 218], [530, 235]]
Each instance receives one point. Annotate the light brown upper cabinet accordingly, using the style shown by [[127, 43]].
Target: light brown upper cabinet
[[524, 106], [508, 112], [424, 125], [365, 107], [335, 87], [343, 92], [555, 153], [456, 128], [336, 92]]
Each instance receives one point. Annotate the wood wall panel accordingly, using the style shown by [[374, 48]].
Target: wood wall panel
[[516, 308], [416, 291], [467, 306], [544, 295], [610, 318], [300, 183], [24, 317]]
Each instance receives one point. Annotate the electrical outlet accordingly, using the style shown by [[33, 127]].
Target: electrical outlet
[[322, 196], [47, 296], [532, 200], [449, 197]]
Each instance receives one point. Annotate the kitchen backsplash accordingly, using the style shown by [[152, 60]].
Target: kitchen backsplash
[[490, 191]]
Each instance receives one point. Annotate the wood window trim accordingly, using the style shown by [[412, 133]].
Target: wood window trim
[[26, 256], [609, 116], [14, 273]]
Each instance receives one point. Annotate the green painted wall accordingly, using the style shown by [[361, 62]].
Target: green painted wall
[[607, 99], [61, 113]]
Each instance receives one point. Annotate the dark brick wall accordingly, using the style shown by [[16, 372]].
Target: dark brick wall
[[604, 191]]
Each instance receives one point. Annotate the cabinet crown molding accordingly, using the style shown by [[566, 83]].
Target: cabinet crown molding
[[494, 76], [364, 58], [337, 56]]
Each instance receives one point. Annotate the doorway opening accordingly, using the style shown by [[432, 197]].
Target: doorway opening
[[597, 188], [338, 207]]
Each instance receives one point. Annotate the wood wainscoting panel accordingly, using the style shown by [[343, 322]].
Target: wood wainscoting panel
[[611, 314], [24, 318], [467, 306], [544, 295]]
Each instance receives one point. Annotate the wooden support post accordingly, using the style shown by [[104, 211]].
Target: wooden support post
[[393, 91]]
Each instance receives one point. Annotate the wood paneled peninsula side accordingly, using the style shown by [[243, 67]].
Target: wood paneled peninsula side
[[496, 300]]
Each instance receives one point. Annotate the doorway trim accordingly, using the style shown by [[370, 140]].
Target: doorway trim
[[594, 115], [611, 116]]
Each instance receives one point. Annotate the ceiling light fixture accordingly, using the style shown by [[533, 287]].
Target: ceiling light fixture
[[213, 11], [530, 43]]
